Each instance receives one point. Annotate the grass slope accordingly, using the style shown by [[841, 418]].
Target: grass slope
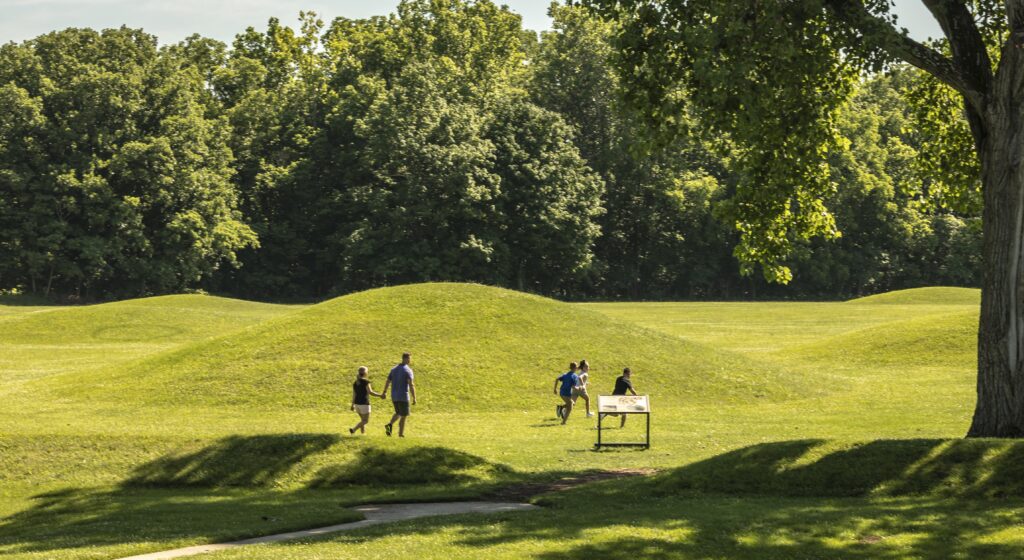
[[933, 340], [241, 427], [475, 348], [936, 295], [41, 341]]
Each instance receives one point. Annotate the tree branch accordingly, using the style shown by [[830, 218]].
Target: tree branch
[[883, 35], [969, 51]]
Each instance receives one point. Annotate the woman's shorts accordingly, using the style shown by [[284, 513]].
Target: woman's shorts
[[362, 409], [580, 392]]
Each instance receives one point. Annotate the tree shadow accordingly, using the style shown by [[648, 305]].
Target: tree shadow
[[918, 467], [121, 518], [803, 499], [233, 461], [417, 465], [226, 490]]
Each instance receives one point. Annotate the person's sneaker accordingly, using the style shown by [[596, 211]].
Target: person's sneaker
[[351, 430], [558, 410], [387, 429], [590, 415]]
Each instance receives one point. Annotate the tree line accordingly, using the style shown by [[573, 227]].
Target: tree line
[[440, 142]]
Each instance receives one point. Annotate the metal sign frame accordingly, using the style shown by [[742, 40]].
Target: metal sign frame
[[646, 444]]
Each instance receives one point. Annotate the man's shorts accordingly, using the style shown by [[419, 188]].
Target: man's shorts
[[401, 407], [362, 409]]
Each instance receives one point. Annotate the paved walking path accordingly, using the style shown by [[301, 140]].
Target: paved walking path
[[374, 514]]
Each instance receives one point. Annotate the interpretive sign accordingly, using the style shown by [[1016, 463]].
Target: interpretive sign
[[630, 404], [621, 405]]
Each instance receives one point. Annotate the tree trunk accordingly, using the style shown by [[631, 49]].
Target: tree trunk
[[1000, 407]]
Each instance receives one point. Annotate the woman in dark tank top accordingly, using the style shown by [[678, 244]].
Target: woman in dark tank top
[[361, 391]]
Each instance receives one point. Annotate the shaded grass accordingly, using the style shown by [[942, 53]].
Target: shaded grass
[[939, 468], [627, 519]]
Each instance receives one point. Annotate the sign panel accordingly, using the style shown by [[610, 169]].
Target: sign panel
[[635, 404]]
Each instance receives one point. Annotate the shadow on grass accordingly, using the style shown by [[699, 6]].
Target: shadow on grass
[[922, 467], [79, 518], [416, 465], [233, 461], [223, 491], [785, 500], [792, 499]]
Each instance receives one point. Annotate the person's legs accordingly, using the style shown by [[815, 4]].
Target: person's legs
[[586, 399], [394, 418], [567, 409], [401, 426], [622, 423], [366, 420]]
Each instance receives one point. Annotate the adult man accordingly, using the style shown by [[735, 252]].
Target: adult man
[[623, 383], [400, 379], [569, 381]]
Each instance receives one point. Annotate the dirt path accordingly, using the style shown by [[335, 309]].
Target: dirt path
[[375, 515]]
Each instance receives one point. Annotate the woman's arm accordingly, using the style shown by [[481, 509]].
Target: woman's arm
[[369, 389]]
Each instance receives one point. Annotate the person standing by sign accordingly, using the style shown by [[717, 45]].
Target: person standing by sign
[[623, 383], [400, 379], [569, 381], [581, 389]]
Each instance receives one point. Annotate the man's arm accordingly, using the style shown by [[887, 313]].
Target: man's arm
[[556, 385], [385, 390], [412, 390]]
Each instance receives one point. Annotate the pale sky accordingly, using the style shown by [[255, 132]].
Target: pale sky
[[173, 20]]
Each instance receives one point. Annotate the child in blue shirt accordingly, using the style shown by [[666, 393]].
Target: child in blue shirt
[[569, 381]]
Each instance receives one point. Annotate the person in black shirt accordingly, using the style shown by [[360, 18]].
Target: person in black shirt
[[623, 383], [361, 391]]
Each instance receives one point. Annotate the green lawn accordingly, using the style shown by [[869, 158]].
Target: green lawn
[[154, 423]]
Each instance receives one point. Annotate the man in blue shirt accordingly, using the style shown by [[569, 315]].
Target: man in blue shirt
[[569, 381], [400, 379]]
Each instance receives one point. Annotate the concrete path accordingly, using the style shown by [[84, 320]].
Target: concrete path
[[374, 514]]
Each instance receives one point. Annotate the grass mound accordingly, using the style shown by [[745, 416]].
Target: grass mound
[[474, 348], [164, 319], [948, 340], [936, 295], [933, 467]]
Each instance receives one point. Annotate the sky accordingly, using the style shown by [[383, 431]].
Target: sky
[[173, 20]]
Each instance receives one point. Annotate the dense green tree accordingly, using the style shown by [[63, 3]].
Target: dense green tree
[[113, 176], [548, 201], [645, 229], [772, 75]]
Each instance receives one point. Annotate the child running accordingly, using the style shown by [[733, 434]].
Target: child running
[[569, 381], [581, 390], [361, 391]]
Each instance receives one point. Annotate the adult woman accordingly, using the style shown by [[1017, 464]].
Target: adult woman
[[361, 391]]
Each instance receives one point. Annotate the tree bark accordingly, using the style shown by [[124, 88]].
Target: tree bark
[[999, 411]]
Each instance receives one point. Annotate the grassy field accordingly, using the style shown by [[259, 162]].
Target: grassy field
[[781, 430]]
